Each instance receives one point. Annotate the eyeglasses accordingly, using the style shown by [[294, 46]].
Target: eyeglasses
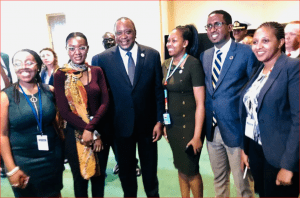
[[108, 40], [28, 64], [81, 48], [216, 25]]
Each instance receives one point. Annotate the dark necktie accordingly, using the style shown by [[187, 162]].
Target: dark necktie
[[131, 67], [216, 69], [215, 77]]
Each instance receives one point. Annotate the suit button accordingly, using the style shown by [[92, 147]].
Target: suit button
[[183, 138], [262, 121], [183, 102], [213, 98], [183, 115], [184, 126], [180, 80], [182, 92]]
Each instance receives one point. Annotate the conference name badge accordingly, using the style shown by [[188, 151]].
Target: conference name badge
[[42, 142], [249, 130], [167, 119]]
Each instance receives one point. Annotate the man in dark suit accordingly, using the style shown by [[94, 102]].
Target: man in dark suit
[[227, 68], [134, 76], [109, 41]]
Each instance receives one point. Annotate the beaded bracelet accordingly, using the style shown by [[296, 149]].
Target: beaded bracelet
[[13, 171]]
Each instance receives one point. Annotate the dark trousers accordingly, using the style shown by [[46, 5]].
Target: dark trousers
[[126, 148], [80, 184], [264, 175]]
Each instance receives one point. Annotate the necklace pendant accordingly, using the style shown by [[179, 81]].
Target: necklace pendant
[[33, 99]]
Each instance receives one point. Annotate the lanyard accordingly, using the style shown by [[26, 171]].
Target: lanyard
[[39, 121], [168, 76]]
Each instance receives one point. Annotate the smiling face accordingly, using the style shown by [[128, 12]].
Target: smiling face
[[219, 35], [292, 38], [76, 50], [47, 57], [176, 45], [25, 66], [266, 47], [125, 34]]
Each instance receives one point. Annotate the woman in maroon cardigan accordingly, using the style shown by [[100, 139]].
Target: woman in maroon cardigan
[[82, 99]]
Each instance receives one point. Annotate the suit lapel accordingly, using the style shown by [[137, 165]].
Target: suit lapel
[[120, 67], [209, 61], [139, 64], [227, 63], [273, 75]]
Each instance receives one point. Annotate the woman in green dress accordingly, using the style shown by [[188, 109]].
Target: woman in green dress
[[30, 146], [185, 94]]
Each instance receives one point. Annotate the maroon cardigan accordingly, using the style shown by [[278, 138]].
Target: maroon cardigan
[[97, 95]]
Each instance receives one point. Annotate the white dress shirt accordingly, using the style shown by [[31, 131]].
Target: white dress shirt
[[224, 49], [294, 54], [133, 51]]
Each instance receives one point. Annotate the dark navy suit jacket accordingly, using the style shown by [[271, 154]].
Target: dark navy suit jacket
[[43, 75], [141, 105], [278, 114], [224, 100]]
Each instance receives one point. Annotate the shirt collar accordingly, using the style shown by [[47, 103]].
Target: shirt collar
[[133, 50], [224, 48], [294, 54]]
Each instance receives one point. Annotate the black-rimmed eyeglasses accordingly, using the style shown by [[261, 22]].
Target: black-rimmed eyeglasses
[[216, 25]]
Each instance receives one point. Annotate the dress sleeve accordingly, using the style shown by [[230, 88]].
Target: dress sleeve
[[62, 102], [104, 100], [197, 73]]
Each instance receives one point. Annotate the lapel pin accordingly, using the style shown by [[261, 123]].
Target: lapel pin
[[142, 55], [231, 57]]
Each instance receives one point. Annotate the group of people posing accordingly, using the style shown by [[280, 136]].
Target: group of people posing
[[246, 103]]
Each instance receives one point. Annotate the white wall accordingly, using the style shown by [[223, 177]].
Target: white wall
[[24, 24], [255, 12]]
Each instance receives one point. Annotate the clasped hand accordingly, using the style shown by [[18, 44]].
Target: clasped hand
[[19, 180], [88, 140]]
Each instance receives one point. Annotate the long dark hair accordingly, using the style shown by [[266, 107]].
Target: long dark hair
[[190, 33], [16, 93]]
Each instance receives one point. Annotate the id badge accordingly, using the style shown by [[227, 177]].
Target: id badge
[[167, 119], [249, 130], [42, 141]]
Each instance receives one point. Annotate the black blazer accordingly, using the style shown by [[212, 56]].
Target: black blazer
[[278, 114], [141, 105]]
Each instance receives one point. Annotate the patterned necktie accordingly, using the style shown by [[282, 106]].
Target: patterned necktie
[[216, 69], [215, 76], [131, 67]]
